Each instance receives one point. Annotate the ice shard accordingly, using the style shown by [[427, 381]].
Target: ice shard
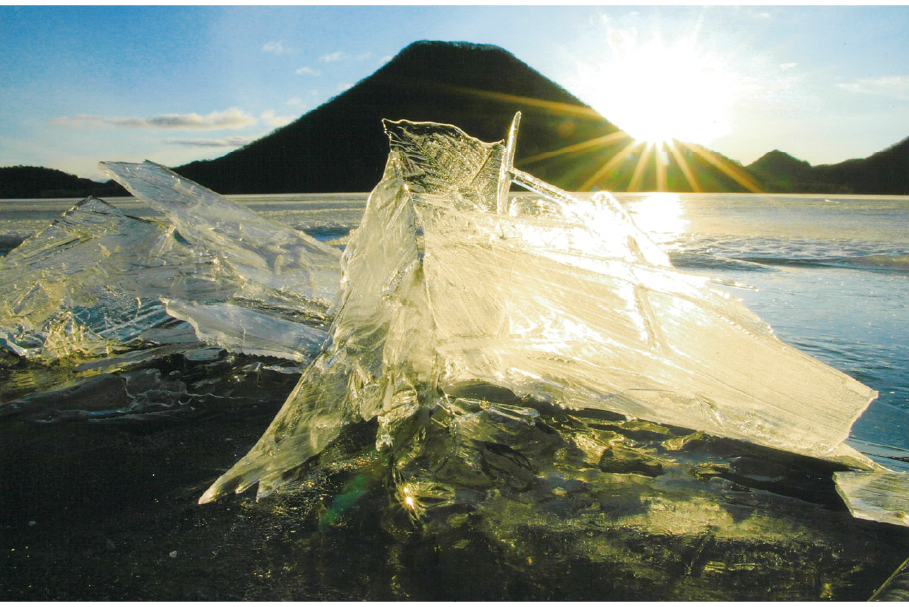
[[875, 495], [451, 283], [278, 266], [249, 330], [90, 284], [96, 281]]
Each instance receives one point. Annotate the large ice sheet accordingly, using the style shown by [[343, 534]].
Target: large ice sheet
[[90, 284], [278, 265], [449, 283]]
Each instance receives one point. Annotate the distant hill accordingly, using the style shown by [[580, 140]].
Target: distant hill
[[340, 146], [886, 172], [39, 182]]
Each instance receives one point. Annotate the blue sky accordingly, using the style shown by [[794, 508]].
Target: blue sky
[[176, 83]]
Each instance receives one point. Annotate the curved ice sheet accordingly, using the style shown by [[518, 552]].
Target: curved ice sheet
[[448, 283]]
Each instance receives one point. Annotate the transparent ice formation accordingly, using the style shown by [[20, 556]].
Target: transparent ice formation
[[876, 495], [250, 331], [455, 294], [96, 281], [90, 284], [277, 265]]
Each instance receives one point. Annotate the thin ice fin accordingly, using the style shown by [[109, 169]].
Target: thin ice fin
[[507, 165]]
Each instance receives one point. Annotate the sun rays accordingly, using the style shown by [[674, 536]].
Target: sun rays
[[650, 158], [618, 160]]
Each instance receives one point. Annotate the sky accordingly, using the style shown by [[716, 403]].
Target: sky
[[82, 84]]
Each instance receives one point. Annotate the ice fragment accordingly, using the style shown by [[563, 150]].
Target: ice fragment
[[875, 495], [249, 330], [95, 281], [560, 299], [89, 284], [278, 265]]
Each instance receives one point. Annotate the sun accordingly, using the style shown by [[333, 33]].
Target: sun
[[657, 93]]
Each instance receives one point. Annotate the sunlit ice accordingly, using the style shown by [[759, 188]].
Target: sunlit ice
[[657, 93]]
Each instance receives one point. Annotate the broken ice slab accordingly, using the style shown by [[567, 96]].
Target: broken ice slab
[[89, 284], [564, 301], [875, 495], [278, 265], [93, 282], [249, 331]]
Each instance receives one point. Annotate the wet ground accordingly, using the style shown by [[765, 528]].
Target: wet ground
[[524, 502]]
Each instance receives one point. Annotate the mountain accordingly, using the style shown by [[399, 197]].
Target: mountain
[[340, 146], [39, 182], [886, 172]]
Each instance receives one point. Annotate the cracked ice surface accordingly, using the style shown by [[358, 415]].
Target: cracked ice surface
[[448, 285]]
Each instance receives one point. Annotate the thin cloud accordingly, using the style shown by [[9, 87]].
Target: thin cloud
[[308, 71], [233, 118], [269, 118], [787, 66], [333, 57], [276, 47], [225, 142], [883, 85]]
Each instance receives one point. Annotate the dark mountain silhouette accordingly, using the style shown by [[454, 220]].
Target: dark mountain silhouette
[[39, 182], [886, 172], [340, 146]]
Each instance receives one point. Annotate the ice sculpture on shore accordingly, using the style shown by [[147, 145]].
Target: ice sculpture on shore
[[451, 288], [96, 281]]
